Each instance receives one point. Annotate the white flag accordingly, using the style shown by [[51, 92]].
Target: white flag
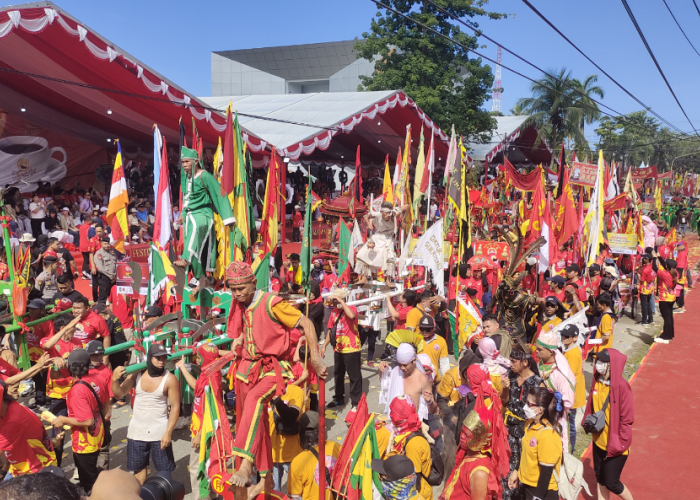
[[429, 249], [355, 242]]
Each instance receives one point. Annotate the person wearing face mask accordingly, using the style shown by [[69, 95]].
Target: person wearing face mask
[[398, 477], [522, 376], [611, 446], [542, 447], [346, 349], [151, 427], [572, 352], [482, 458]]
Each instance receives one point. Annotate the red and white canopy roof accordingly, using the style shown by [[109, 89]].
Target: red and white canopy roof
[[42, 40]]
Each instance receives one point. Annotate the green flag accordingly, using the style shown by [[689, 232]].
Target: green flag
[[306, 242], [262, 274], [344, 237]]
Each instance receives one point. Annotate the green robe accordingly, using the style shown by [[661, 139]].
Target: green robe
[[201, 196]]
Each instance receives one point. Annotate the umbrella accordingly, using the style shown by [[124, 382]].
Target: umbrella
[[480, 262]]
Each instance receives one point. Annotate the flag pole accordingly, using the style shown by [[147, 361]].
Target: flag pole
[[321, 438]]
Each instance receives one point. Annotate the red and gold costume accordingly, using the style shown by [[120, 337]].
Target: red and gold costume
[[260, 374]]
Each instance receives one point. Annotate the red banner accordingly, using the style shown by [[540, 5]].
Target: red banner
[[644, 177], [524, 182], [583, 174]]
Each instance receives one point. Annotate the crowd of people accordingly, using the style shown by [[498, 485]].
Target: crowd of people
[[494, 416]]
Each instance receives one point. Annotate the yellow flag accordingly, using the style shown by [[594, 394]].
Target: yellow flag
[[388, 188], [593, 224]]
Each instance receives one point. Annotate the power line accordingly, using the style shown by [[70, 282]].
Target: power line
[[658, 67], [647, 108], [696, 7], [679, 27]]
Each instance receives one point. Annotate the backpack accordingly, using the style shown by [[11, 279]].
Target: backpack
[[437, 464], [570, 478]]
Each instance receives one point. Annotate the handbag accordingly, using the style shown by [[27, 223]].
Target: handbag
[[595, 422]]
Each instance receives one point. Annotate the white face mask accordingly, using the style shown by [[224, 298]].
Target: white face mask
[[529, 412], [601, 367]]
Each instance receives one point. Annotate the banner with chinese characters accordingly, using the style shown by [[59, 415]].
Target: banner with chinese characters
[[489, 248], [583, 174]]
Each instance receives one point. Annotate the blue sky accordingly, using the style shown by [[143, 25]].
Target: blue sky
[[176, 37]]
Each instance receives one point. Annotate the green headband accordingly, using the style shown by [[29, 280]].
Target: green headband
[[546, 346], [189, 154]]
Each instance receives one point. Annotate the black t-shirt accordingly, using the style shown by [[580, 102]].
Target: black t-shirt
[[65, 253], [116, 332], [71, 296]]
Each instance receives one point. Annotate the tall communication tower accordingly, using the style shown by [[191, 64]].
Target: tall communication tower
[[497, 84]]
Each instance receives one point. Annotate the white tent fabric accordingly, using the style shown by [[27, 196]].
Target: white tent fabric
[[507, 130], [315, 118]]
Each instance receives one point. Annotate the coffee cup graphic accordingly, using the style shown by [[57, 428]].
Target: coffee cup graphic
[[25, 160]]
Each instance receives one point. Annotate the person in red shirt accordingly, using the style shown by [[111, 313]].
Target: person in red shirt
[[91, 325], [684, 277], [85, 412], [594, 273], [52, 250], [36, 310], [100, 376], [123, 308], [23, 439], [408, 300], [556, 288], [529, 282], [297, 224], [85, 246], [95, 245], [667, 279], [573, 277], [647, 280]]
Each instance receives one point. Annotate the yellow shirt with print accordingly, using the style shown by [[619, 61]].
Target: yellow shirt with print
[[449, 385], [600, 394], [606, 326], [286, 447], [541, 446], [413, 318], [418, 450], [573, 357], [436, 349], [383, 438], [302, 473]]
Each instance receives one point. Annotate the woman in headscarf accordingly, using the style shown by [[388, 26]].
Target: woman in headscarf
[[482, 458], [493, 363], [317, 273], [522, 376], [650, 231]]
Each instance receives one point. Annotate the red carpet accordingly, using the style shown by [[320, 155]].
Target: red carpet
[[663, 460]]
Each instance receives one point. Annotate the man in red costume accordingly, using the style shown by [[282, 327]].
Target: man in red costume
[[260, 325]]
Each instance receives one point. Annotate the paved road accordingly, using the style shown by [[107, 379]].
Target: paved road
[[629, 337]]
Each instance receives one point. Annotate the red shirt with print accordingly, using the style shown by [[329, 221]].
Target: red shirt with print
[[7, 370], [59, 382], [346, 334], [123, 309], [83, 406], [91, 327], [34, 336]]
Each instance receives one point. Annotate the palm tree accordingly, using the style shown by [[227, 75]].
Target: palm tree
[[559, 111]]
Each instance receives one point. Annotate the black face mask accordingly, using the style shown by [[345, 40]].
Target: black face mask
[[153, 371]]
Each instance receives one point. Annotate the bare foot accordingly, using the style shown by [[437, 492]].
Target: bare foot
[[241, 478], [180, 263]]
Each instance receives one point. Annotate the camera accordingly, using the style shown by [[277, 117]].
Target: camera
[[162, 486]]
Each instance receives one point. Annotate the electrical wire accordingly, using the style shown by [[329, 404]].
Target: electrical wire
[[696, 7], [637, 100], [653, 57], [679, 27]]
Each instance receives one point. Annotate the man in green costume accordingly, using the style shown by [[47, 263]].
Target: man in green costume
[[201, 195]]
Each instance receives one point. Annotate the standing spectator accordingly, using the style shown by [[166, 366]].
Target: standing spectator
[[684, 276], [151, 427], [86, 206], [611, 446], [347, 355], [23, 439], [46, 280], [85, 418], [84, 247], [94, 245], [572, 353], [522, 377], [667, 280], [37, 213], [304, 468], [106, 267], [542, 447], [90, 325], [297, 224], [647, 280]]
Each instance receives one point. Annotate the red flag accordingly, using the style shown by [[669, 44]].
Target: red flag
[[538, 206], [162, 229], [269, 227], [358, 177], [524, 182], [227, 165], [566, 218], [340, 477]]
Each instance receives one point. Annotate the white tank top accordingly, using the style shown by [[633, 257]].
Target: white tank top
[[150, 417]]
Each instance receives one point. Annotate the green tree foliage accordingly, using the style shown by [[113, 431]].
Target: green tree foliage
[[438, 75], [637, 138], [560, 107]]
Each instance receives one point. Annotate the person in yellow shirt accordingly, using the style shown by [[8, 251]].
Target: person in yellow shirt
[[304, 470], [429, 305], [606, 323], [542, 446], [435, 347], [572, 352], [284, 431]]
